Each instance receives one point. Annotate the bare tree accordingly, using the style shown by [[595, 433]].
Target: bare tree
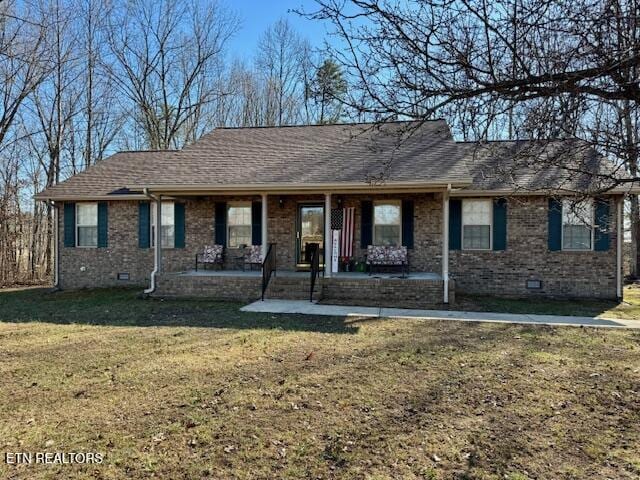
[[101, 118], [279, 60], [24, 63], [164, 55], [537, 69], [23, 58], [442, 52]]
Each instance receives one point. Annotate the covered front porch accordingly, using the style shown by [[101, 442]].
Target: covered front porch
[[296, 232]]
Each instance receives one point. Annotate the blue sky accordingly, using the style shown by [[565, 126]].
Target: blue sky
[[256, 16]]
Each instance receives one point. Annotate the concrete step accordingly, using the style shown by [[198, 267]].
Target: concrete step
[[292, 288]]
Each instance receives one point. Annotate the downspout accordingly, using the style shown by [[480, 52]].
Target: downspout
[[56, 240], [619, 239], [157, 251], [445, 244]]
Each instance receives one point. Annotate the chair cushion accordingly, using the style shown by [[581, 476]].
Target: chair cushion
[[386, 255], [212, 253], [253, 254]]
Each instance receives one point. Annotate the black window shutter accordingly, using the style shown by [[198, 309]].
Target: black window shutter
[[179, 223], [144, 225], [256, 223], [366, 223], [601, 242], [103, 224], [69, 225], [455, 224], [555, 224], [500, 224], [407, 223], [221, 223]]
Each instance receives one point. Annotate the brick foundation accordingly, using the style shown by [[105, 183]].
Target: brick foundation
[[368, 291], [246, 289], [386, 292]]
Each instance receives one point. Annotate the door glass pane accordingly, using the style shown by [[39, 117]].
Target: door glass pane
[[311, 232]]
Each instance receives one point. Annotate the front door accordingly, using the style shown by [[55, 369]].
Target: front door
[[309, 233]]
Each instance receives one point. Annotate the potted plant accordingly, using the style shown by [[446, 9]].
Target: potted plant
[[345, 264]]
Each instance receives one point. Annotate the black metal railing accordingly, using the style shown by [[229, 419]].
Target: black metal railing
[[268, 267], [315, 271]]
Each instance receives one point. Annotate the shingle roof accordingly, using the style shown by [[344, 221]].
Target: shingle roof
[[333, 154], [568, 165], [397, 153], [110, 176]]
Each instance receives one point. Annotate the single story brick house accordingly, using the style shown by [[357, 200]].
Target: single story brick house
[[456, 217]]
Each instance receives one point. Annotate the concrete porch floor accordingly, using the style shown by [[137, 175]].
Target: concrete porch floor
[[303, 274]]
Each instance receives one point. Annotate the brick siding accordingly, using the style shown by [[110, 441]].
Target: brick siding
[[575, 274], [380, 292], [527, 257]]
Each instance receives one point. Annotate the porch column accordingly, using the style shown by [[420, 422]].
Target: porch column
[[327, 235], [445, 244], [264, 226]]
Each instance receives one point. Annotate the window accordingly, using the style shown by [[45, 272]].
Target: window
[[87, 224], [577, 225], [476, 224], [239, 224], [386, 223], [168, 233]]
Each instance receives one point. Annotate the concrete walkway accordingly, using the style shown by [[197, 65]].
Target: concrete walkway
[[305, 307]]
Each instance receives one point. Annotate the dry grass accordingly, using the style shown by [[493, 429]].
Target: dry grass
[[197, 389], [629, 309]]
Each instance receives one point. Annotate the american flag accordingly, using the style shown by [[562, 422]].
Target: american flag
[[344, 220]]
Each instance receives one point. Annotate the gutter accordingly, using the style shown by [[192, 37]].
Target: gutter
[[275, 188], [619, 244], [87, 198], [157, 251]]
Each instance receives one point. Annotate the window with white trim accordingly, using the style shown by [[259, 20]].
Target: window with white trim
[[476, 224], [577, 224], [168, 232], [87, 224], [239, 224], [386, 223]]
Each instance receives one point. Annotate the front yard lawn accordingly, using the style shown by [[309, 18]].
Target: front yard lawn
[[629, 309], [197, 389]]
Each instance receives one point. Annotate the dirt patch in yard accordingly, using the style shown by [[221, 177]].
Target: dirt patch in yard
[[198, 389]]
